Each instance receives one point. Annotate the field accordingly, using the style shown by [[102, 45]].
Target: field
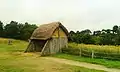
[[94, 51], [13, 59]]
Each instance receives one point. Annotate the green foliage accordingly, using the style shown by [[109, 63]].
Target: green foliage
[[27, 31], [81, 37], [101, 37], [97, 33], [11, 30], [17, 30], [115, 28], [96, 40], [1, 29]]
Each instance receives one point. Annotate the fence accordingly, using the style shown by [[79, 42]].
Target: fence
[[92, 53]]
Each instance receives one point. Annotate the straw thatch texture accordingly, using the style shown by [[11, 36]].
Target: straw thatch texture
[[45, 31]]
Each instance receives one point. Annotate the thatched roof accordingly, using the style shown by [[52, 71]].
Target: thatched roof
[[45, 31]]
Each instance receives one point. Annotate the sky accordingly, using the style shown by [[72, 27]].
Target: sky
[[73, 14]]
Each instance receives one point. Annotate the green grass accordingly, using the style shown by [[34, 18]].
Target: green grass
[[13, 59], [107, 63]]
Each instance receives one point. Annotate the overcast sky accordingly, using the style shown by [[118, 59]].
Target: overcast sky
[[73, 14]]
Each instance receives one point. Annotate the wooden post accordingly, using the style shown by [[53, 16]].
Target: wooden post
[[80, 52], [42, 52], [59, 39], [92, 54], [118, 51], [28, 47], [9, 42]]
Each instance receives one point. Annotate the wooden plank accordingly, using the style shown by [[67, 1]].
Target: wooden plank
[[28, 47], [92, 54], [59, 40], [50, 46], [44, 47]]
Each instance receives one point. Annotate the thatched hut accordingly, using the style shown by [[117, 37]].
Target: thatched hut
[[48, 39]]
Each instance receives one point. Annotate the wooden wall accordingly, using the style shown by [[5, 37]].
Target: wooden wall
[[53, 46], [59, 40], [60, 31]]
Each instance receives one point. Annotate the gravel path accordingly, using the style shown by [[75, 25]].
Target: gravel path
[[83, 64]]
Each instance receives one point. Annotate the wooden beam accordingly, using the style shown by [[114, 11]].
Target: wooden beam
[[59, 38], [28, 46], [44, 47]]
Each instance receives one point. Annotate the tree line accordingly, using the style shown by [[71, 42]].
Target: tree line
[[17, 30], [100, 37]]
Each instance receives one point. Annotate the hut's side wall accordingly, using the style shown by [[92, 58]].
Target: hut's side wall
[[54, 45], [59, 40], [63, 39], [51, 47]]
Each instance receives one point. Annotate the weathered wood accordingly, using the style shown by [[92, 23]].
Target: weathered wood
[[28, 47], [92, 53], [59, 40], [42, 52], [9, 42], [54, 45], [80, 52]]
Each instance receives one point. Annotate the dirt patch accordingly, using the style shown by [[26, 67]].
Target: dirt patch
[[82, 64]]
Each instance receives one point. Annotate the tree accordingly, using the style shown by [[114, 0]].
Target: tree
[[27, 31], [117, 37], [71, 36], [11, 30], [97, 40], [108, 30], [1, 29], [97, 33], [87, 39], [19, 31], [118, 30], [87, 31], [20, 28], [115, 28], [107, 39], [103, 31]]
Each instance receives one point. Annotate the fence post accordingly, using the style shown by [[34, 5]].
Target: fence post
[[92, 54], [118, 50], [9, 42], [80, 52]]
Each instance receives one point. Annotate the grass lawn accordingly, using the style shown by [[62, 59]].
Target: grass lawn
[[13, 59], [107, 63]]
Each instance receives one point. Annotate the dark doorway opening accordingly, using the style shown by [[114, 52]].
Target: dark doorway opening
[[38, 45]]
